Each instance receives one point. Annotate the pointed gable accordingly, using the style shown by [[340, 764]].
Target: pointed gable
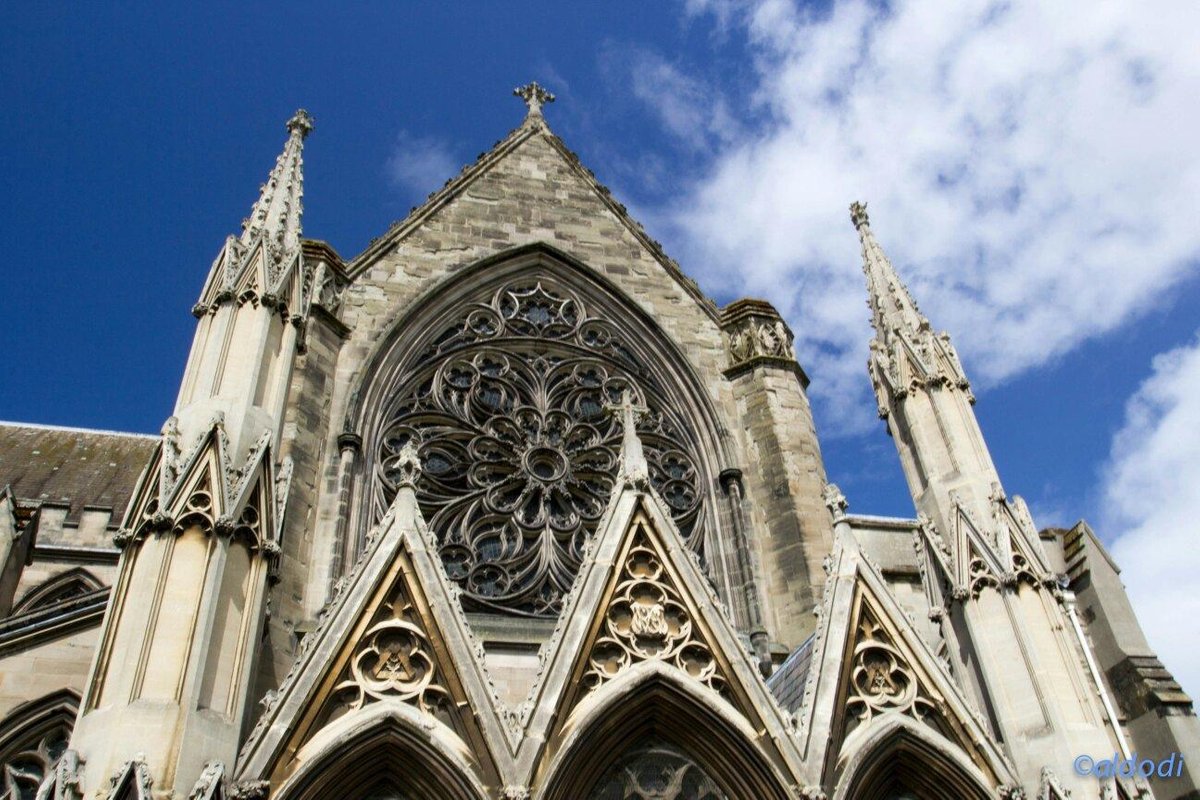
[[874, 676], [392, 636], [644, 613], [529, 187]]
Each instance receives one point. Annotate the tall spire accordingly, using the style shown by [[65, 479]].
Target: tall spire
[[893, 309], [278, 210]]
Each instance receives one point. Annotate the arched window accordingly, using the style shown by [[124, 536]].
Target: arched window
[[505, 395], [905, 761], [63, 586], [384, 754], [32, 737], [654, 769]]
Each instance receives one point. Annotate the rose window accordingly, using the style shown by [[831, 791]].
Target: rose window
[[518, 453]]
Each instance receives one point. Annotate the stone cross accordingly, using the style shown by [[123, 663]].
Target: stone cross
[[535, 96], [633, 460]]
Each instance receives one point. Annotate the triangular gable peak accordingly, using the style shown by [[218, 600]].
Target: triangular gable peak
[[642, 608], [392, 636], [870, 666], [532, 131]]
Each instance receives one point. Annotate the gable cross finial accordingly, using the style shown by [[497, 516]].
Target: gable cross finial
[[633, 459], [535, 96]]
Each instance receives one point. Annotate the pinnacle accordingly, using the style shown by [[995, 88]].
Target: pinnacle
[[301, 121], [858, 214]]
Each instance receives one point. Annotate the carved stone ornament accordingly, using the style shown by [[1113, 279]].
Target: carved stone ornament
[[250, 790], [835, 501], [132, 781], [506, 410], [1051, 788], [882, 680], [394, 660], [63, 785], [535, 96], [757, 334], [646, 619], [209, 785]]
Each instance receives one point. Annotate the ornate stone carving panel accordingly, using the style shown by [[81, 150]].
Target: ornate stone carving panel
[[519, 458], [646, 620], [393, 660]]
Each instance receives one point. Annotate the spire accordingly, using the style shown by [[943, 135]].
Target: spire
[[535, 96], [892, 307], [278, 210]]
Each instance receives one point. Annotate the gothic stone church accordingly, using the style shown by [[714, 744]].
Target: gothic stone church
[[505, 507]]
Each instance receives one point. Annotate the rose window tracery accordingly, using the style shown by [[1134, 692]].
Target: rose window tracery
[[519, 456]]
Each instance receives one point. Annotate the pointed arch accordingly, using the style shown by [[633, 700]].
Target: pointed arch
[[32, 737], [653, 700], [901, 755], [388, 745], [63, 586], [586, 340]]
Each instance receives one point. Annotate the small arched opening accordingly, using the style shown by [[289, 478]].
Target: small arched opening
[[384, 753], [657, 735], [902, 761]]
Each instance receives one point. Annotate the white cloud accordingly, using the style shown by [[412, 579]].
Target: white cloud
[[1152, 502], [1030, 168], [420, 165], [687, 108]]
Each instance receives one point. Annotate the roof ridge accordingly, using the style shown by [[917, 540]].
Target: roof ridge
[[72, 429]]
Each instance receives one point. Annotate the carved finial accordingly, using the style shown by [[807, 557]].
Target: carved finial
[[535, 96], [301, 121], [858, 214], [408, 464], [633, 460], [835, 501]]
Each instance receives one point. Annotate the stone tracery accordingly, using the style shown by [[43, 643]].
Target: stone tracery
[[519, 457], [653, 769], [647, 620]]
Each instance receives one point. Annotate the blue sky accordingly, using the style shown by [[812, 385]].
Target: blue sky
[[1031, 174]]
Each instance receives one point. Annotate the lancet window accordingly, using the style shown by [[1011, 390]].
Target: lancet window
[[507, 405]]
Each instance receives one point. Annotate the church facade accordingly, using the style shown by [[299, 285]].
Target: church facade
[[506, 508]]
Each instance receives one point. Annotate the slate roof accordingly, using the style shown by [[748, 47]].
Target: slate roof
[[72, 466], [787, 682]]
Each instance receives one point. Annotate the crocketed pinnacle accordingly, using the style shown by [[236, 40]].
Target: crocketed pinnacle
[[277, 213], [893, 309]]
